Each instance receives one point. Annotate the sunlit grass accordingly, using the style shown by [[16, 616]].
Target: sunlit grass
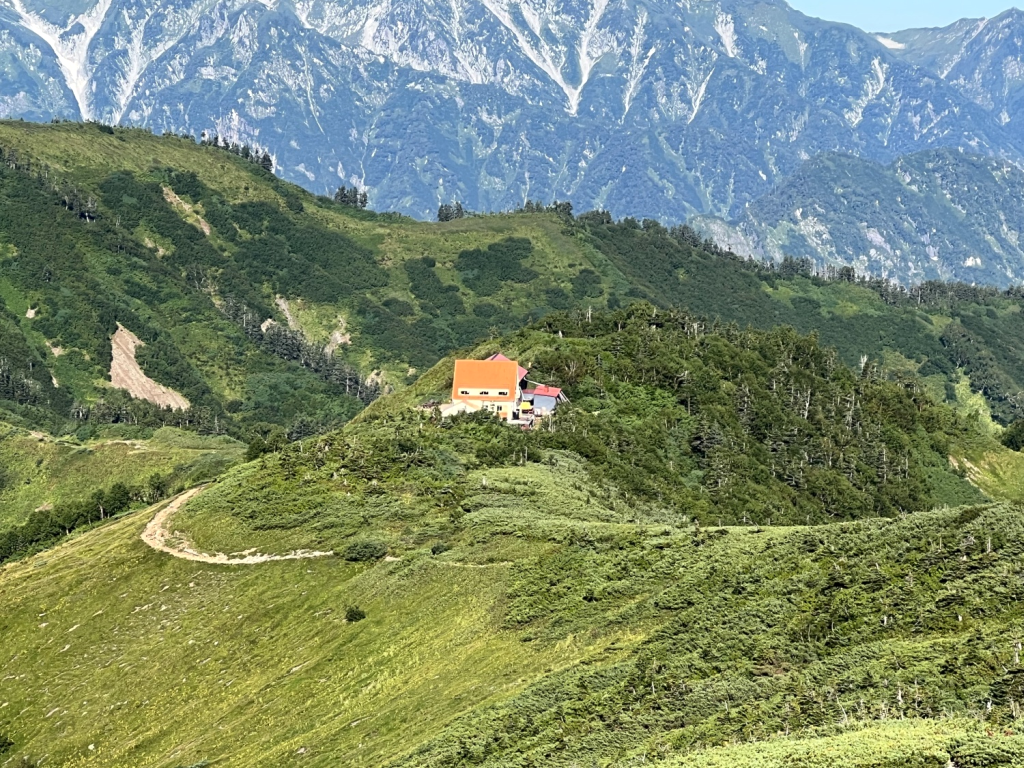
[[116, 655], [40, 470]]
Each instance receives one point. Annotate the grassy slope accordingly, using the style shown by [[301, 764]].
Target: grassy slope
[[160, 662], [544, 656], [768, 634], [157, 661], [39, 470]]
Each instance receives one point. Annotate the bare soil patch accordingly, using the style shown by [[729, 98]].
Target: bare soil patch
[[171, 197], [126, 374], [286, 309], [340, 338]]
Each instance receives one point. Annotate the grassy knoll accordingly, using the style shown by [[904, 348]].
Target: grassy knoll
[[997, 471], [40, 471], [158, 661]]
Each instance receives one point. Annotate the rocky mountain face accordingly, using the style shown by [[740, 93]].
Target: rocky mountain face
[[649, 108], [933, 215], [982, 59]]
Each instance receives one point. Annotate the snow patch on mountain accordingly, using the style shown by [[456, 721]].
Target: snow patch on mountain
[[889, 43], [70, 44]]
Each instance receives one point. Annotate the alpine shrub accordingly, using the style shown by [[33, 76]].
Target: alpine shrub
[[364, 551], [354, 613]]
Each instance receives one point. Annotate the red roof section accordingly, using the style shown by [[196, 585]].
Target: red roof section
[[544, 391], [523, 373], [491, 375]]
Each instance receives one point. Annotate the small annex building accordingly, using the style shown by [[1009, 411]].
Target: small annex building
[[544, 399]]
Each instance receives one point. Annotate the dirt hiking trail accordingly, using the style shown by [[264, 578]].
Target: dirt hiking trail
[[177, 545]]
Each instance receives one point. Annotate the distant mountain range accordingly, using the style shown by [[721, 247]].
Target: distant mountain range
[[646, 108], [934, 215]]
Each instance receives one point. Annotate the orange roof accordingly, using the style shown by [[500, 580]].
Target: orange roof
[[492, 375], [523, 373]]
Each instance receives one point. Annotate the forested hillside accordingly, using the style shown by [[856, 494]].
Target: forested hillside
[[937, 331], [279, 316], [255, 301], [272, 311], [685, 418]]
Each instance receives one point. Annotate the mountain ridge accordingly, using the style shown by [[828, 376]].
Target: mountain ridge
[[577, 100], [932, 215]]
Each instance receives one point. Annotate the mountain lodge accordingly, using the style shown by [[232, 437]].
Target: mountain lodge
[[496, 385]]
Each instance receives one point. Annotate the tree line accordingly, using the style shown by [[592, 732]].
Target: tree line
[[352, 198], [293, 345], [262, 159], [45, 527]]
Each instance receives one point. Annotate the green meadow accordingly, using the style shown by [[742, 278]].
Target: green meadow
[[39, 471], [773, 526]]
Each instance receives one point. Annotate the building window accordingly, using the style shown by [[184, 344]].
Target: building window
[[484, 392], [503, 394], [463, 391]]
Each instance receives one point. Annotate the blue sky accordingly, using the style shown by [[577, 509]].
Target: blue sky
[[894, 15]]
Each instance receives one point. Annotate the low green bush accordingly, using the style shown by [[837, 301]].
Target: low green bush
[[365, 551], [354, 613]]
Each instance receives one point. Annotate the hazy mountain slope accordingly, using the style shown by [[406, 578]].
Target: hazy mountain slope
[[983, 59], [938, 215], [645, 107]]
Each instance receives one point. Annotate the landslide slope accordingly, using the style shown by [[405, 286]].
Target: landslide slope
[[635, 581]]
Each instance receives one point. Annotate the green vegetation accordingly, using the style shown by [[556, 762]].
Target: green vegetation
[[552, 632], [764, 634], [759, 534], [630, 583], [937, 329], [51, 488], [354, 613], [38, 472], [197, 251], [108, 643], [671, 419]]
